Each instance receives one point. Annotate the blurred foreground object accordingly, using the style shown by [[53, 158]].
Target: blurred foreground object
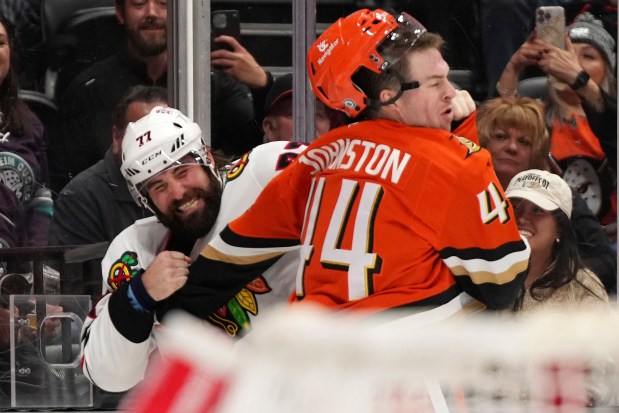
[[305, 361]]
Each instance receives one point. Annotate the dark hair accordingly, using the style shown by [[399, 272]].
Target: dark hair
[[372, 84], [15, 112], [565, 262], [139, 93]]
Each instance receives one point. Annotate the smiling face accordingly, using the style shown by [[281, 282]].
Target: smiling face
[[538, 226], [145, 23], [511, 151], [186, 199], [429, 105]]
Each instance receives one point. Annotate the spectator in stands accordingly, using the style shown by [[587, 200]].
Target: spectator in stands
[[513, 130], [10, 213], [543, 205], [236, 61], [513, 20], [581, 108], [385, 212], [278, 121], [25, 17], [96, 205], [85, 122], [556, 278], [23, 162]]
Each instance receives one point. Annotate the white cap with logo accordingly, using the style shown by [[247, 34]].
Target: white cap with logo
[[544, 189]]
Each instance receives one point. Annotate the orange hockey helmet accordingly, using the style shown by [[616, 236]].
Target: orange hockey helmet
[[373, 39]]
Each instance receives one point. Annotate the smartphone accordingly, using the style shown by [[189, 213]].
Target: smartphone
[[225, 22], [550, 25]]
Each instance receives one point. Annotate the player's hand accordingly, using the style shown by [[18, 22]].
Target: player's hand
[[462, 105], [238, 63], [166, 274]]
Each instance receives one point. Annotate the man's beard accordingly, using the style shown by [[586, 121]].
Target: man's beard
[[199, 223], [148, 47]]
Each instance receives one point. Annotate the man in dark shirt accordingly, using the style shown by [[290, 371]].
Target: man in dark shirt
[[96, 205], [84, 128]]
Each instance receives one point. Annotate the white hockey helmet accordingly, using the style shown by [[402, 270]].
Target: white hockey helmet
[[162, 139]]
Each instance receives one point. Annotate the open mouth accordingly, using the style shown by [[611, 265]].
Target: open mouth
[[525, 233], [187, 206]]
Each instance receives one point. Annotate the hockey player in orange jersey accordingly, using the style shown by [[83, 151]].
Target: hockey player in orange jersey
[[390, 212]]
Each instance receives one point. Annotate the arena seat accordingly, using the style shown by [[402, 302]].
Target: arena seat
[[533, 87], [41, 105], [54, 13], [77, 33]]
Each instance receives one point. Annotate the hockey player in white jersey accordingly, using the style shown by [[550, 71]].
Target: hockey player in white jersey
[[171, 171]]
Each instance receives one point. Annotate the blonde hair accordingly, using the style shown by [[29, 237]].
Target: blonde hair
[[521, 113]]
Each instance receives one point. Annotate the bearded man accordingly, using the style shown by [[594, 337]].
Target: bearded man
[[170, 171], [83, 131]]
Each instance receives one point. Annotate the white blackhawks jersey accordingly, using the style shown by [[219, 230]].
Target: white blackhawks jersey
[[117, 339]]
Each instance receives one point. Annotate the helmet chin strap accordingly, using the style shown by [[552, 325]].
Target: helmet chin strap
[[404, 86], [146, 202]]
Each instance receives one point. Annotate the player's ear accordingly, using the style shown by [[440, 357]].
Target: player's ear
[[386, 95]]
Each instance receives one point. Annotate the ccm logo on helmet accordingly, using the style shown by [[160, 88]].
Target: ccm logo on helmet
[[150, 158], [328, 51]]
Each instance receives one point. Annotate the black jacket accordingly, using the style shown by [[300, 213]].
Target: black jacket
[[94, 207]]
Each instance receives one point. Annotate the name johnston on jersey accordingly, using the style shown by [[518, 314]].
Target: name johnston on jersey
[[359, 156]]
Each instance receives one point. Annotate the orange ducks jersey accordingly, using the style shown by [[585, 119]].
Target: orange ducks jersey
[[386, 216]]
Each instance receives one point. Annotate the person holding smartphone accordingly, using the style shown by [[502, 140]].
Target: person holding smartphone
[[233, 60], [82, 133], [581, 108]]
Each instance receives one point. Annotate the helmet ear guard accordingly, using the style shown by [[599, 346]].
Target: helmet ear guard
[[372, 40], [162, 139]]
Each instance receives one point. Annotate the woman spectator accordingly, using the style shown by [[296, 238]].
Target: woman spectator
[[543, 206], [556, 279], [23, 145], [581, 107], [512, 129]]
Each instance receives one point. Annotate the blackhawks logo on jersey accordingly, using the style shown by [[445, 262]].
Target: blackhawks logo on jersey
[[123, 269], [233, 317], [238, 168]]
